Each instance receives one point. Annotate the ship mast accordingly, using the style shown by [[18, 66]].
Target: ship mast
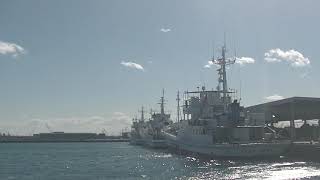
[[222, 80], [224, 73], [162, 103], [142, 114], [178, 107]]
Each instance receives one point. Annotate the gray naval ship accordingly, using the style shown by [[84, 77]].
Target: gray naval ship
[[149, 133], [136, 128], [214, 124]]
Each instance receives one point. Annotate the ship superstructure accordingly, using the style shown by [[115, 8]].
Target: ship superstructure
[[214, 123]]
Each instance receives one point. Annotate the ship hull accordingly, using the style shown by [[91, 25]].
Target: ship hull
[[232, 150]]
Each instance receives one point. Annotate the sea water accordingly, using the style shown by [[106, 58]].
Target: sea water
[[76, 161]]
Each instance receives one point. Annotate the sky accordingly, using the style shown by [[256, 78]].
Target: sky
[[88, 66]]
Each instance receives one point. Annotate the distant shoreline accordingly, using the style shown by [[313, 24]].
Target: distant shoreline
[[62, 141]]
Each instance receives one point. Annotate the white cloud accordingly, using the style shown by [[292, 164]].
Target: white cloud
[[165, 30], [274, 97], [244, 60], [11, 49], [295, 58], [132, 65]]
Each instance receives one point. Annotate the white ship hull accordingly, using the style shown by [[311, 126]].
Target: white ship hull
[[235, 150]]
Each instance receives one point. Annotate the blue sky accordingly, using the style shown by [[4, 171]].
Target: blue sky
[[68, 65]]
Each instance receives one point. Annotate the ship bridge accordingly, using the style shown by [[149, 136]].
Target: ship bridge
[[289, 109]]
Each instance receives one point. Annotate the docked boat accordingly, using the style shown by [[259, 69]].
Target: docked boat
[[137, 130], [149, 133], [214, 124]]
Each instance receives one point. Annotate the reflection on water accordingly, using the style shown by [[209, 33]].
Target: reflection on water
[[122, 161], [239, 169], [199, 168]]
